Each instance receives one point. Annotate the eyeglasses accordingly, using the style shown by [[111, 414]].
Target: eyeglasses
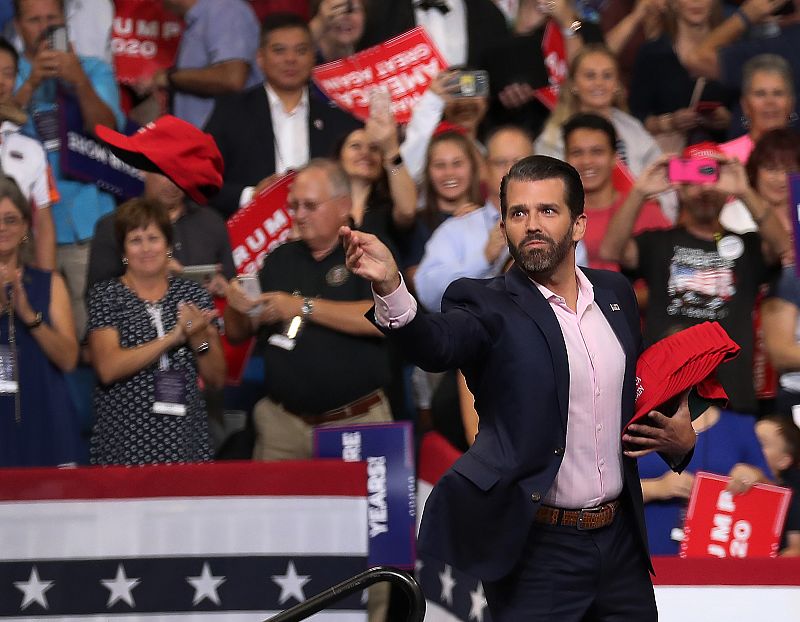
[[309, 206], [11, 220]]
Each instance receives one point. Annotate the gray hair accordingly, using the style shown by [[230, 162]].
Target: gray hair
[[338, 180], [767, 63]]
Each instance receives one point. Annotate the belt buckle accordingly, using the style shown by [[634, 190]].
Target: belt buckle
[[594, 510]]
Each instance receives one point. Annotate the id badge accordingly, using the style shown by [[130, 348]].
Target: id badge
[[8, 366], [170, 393], [47, 125]]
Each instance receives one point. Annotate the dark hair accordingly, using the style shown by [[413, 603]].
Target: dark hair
[[430, 213], [141, 212], [9, 49], [776, 147], [589, 121], [790, 434], [314, 5], [379, 193], [279, 21], [541, 167], [18, 3], [10, 190]]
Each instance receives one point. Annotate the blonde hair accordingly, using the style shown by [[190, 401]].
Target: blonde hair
[[568, 105]]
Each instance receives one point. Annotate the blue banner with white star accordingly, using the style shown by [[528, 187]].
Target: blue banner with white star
[[245, 539]]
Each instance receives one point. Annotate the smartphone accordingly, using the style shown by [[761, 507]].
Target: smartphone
[[693, 171], [201, 273], [56, 37], [707, 107], [252, 288], [471, 84], [380, 102]]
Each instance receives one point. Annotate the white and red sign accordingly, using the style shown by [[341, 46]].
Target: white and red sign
[[260, 226], [144, 38], [555, 61], [722, 525], [405, 65]]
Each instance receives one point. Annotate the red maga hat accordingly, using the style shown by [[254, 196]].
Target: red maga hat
[[683, 361], [172, 147], [705, 149]]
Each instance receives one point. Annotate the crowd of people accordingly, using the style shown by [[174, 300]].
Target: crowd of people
[[107, 290]]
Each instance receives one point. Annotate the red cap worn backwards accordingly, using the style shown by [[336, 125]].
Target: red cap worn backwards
[[172, 147], [685, 360]]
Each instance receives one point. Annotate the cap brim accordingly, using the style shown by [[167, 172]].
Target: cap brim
[[121, 146]]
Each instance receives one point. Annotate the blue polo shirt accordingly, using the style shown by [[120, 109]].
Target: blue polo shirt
[[82, 204], [215, 31]]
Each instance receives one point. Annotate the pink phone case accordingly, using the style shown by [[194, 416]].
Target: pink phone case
[[697, 171]]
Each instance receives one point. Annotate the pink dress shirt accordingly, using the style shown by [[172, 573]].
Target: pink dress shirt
[[591, 469]]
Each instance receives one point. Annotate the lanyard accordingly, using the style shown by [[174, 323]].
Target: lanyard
[[154, 311]]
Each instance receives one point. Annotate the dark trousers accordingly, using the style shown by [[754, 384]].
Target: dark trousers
[[577, 576]]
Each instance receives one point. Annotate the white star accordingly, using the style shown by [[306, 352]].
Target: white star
[[120, 587], [291, 584], [448, 583], [478, 603], [206, 585], [33, 590]]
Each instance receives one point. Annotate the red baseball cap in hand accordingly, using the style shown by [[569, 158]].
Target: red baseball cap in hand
[[683, 361]]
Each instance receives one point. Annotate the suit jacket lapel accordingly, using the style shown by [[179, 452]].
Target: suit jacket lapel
[[316, 127], [528, 298], [262, 119], [609, 304]]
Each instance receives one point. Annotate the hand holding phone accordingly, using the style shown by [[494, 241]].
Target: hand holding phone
[[693, 171], [56, 38], [466, 84]]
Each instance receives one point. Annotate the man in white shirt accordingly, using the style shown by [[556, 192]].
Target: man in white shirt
[[24, 159], [276, 126]]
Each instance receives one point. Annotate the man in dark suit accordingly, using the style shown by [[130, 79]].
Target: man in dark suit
[[278, 125], [545, 507], [444, 20]]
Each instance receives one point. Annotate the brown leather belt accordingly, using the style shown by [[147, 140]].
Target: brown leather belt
[[587, 518], [353, 409]]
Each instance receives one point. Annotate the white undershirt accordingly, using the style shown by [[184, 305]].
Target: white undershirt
[[448, 32]]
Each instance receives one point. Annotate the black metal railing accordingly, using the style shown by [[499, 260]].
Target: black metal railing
[[306, 609]]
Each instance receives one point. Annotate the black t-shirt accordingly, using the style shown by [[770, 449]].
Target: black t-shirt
[[691, 282], [327, 368], [791, 479]]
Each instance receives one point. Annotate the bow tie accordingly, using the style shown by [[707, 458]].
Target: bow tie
[[439, 5]]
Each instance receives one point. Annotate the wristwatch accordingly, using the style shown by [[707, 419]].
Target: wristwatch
[[395, 163], [37, 321], [307, 308], [202, 349], [572, 30]]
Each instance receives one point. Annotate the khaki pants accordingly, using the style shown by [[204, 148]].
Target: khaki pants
[[281, 435], [72, 261]]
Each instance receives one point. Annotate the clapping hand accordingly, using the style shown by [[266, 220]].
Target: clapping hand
[[12, 284], [193, 321]]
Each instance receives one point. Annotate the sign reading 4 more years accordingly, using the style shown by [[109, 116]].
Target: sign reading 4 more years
[[387, 448]]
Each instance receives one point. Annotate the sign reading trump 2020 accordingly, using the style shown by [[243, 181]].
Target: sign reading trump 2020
[[387, 448], [405, 65], [145, 38], [723, 525]]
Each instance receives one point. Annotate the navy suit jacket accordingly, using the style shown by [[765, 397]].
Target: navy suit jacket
[[242, 127], [506, 339]]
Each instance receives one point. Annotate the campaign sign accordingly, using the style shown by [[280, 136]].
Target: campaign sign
[[405, 65], [720, 524], [260, 226], [85, 158], [387, 448], [794, 202], [144, 38]]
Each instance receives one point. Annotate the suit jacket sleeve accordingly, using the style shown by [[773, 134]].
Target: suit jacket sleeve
[[220, 126]]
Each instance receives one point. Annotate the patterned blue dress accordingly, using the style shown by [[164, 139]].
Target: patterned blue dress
[[48, 431], [126, 431]]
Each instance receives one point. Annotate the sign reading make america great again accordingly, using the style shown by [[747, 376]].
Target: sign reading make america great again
[[405, 65]]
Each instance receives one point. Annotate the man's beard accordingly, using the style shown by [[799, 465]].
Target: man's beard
[[534, 261]]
